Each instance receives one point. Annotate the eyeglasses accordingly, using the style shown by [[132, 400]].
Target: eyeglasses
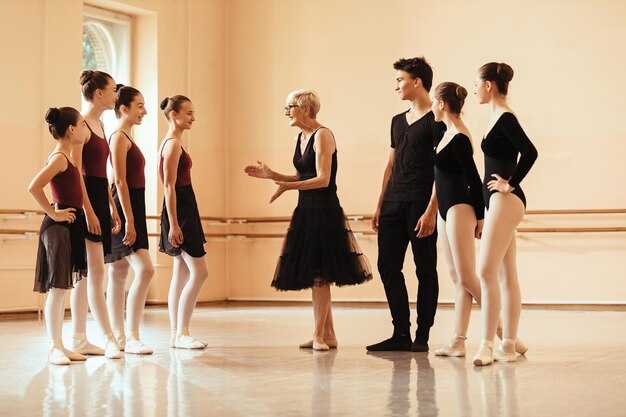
[[288, 107]]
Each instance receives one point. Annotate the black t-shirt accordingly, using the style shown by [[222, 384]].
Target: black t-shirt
[[413, 172]]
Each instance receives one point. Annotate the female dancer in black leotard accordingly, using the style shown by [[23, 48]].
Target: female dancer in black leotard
[[504, 141], [319, 248], [461, 208], [98, 90], [61, 252], [129, 248]]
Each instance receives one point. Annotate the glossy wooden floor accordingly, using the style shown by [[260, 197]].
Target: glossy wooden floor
[[576, 366]]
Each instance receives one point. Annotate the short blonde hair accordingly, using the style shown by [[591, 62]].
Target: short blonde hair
[[306, 98]]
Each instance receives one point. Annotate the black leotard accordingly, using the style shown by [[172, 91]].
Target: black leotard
[[456, 177], [501, 146]]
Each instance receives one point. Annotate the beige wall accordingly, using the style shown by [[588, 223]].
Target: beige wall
[[567, 92], [237, 60], [178, 48]]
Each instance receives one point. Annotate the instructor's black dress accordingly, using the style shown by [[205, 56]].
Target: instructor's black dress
[[319, 247]]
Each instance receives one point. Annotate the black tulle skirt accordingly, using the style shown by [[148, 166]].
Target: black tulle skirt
[[320, 247], [138, 205], [61, 254], [189, 222], [98, 192]]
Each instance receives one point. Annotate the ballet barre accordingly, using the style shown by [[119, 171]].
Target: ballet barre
[[24, 214], [20, 234]]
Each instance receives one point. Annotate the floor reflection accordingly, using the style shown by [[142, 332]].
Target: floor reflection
[[399, 401], [498, 388], [253, 367]]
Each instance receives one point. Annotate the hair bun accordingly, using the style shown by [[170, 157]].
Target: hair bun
[[163, 104], [52, 115], [118, 87], [504, 72], [460, 92], [85, 76]]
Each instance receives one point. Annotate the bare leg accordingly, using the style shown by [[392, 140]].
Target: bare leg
[[505, 213], [144, 271], [330, 338], [198, 273], [321, 306]]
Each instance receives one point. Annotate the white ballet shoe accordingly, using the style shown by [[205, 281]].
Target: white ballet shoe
[[137, 347], [306, 345], [81, 345], [188, 342], [111, 350], [520, 346], [320, 346], [73, 356], [484, 356], [120, 337], [332, 344], [505, 352], [451, 350], [58, 357]]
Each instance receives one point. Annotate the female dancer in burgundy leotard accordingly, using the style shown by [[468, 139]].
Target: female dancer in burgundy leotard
[[129, 248], [61, 258], [91, 158]]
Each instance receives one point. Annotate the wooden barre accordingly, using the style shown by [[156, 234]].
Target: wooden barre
[[226, 235], [353, 217]]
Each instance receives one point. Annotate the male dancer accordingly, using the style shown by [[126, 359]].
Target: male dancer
[[407, 209]]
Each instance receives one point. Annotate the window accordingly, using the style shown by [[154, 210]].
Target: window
[[106, 47]]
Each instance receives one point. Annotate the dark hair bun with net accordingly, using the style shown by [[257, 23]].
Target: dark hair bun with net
[[85, 76], [52, 115], [461, 93], [504, 72], [163, 104]]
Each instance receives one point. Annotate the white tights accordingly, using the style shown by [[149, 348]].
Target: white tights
[[93, 291], [188, 275], [144, 271], [54, 312]]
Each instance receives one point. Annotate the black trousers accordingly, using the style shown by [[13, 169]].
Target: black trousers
[[395, 231]]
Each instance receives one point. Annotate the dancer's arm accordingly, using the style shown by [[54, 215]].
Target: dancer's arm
[[115, 217], [56, 165], [93, 224], [528, 155], [381, 197], [427, 222], [172, 151], [119, 151], [261, 170]]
